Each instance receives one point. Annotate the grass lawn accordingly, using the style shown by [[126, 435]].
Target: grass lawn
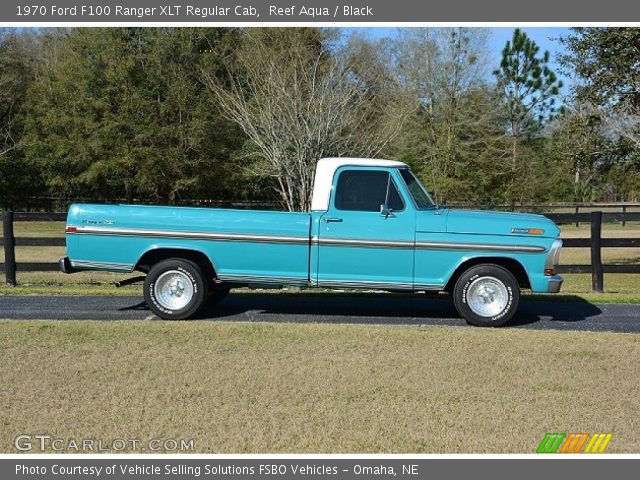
[[619, 288], [243, 388]]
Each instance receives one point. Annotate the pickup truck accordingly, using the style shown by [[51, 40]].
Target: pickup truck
[[372, 226]]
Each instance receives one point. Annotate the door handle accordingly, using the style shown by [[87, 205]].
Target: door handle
[[331, 219]]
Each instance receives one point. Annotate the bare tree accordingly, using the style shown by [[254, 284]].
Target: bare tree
[[8, 114], [18, 53], [9, 91], [298, 101], [439, 63], [444, 70], [624, 123]]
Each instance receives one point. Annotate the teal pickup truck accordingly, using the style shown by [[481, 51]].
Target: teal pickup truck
[[372, 226]]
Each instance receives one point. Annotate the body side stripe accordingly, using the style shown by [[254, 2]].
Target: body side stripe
[[240, 237], [347, 242]]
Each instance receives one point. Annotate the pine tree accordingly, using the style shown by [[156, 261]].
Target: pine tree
[[529, 88]]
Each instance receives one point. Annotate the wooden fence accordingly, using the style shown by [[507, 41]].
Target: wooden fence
[[9, 242], [595, 243]]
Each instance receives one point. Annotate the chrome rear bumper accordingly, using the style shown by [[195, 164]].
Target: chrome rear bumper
[[65, 266]]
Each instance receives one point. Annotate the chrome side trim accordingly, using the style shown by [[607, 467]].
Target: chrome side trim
[[376, 285], [327, 283], [239, 237], [355, 242], [425, 286], [371, 285], [87, 264], [492, 247], [404, 244], [264, 279]]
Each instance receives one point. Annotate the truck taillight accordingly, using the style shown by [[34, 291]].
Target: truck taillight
[[69, 229], [553, 258]]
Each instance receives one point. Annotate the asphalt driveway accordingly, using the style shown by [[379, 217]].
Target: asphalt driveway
[[299, 308]]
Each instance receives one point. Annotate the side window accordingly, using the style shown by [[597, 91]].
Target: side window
[[365, 191]]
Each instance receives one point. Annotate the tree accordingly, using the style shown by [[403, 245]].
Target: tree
[[299, 100], [530, 88], [605, 61], [18, 58], [454, 133], [121, 113], [12, 85], [575, 149]]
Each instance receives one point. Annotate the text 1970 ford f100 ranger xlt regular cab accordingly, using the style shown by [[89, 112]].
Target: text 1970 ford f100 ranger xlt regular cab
[[372, 225]]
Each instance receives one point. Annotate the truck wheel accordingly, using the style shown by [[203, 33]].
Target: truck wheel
[[487, 295], [175, 289]]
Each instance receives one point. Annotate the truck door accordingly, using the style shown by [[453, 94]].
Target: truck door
[[367, 236]]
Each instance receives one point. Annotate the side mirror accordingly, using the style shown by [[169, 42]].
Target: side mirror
[[385, 211]]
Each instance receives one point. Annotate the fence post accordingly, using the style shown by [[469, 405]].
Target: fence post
[[577, 211], [597, 275], [623, 220], [9, 248]]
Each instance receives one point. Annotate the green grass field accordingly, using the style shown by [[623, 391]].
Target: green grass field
[[619, 288], [262, 388]]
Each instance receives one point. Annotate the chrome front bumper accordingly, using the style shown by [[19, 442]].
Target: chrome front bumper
[[555, 283]]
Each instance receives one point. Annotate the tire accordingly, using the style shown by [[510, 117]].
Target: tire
[[175, 289], [486, 295], [217, 293]]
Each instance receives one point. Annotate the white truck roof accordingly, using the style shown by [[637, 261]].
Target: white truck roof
[[326, 169]]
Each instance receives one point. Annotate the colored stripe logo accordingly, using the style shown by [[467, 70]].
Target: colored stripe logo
[[574, 443], [598, 443]]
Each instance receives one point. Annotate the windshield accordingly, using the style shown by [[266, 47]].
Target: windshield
[[420, 196]]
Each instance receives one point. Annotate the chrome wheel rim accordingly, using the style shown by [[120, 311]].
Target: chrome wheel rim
[[487, 296], [173, 290]]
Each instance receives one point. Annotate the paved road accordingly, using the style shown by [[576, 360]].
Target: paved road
[[378, 310]]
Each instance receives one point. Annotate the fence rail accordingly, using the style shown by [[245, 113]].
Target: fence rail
[[578, 218], [595, 242]]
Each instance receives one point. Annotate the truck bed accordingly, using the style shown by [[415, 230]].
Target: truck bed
[[243, 245]]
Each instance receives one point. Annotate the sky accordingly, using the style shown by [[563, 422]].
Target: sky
[[545, 37]]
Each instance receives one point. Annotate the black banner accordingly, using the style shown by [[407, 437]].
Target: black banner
[[324, 11], [128, 468]]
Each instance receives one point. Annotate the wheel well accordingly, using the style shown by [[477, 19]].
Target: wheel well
[[150, 258], [513, 266]]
